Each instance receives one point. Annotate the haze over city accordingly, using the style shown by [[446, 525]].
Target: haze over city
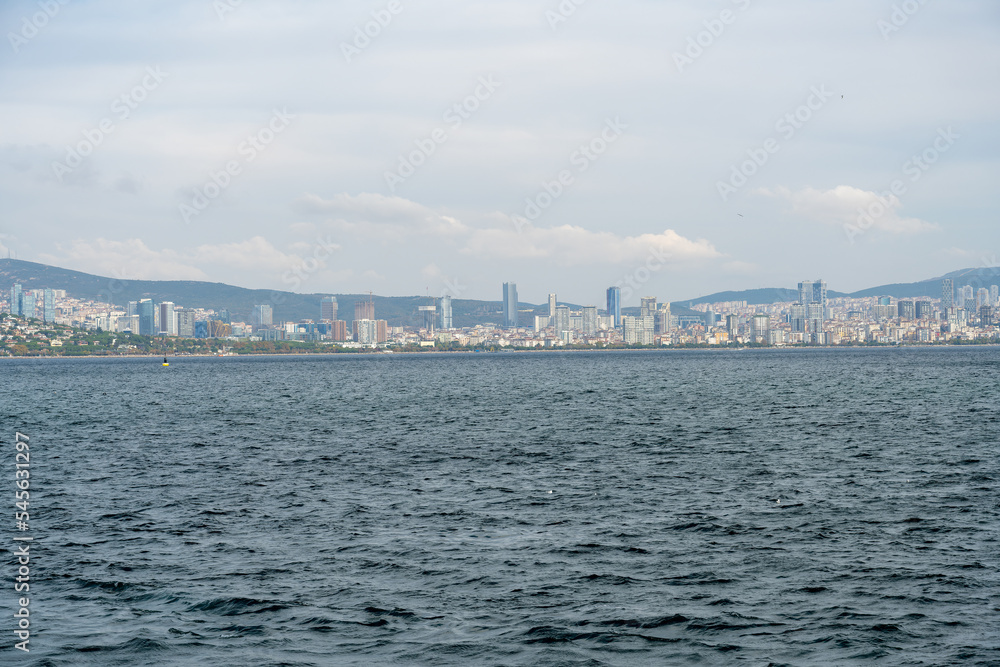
[[401, 148]]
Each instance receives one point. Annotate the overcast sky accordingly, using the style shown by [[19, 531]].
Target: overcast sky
[[684, 146]]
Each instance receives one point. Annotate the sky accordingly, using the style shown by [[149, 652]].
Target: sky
[[674, 148]]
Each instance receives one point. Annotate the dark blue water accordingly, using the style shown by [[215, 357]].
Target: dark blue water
[[511, 509]]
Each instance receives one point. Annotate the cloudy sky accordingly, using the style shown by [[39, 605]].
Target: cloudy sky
[[680, 146]]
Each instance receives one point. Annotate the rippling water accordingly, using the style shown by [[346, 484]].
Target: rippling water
[[785, 507]]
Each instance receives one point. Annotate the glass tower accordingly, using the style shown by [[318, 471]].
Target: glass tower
[[510, 305], [615, 305]]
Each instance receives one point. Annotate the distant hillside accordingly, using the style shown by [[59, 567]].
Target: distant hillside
[[398, 311], [982, 277], [763, 295], [931, 287]]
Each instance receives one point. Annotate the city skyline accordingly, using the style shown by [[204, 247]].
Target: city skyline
[[637, 141]]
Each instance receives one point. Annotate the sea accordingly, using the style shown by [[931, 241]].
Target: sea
[[757, 507]]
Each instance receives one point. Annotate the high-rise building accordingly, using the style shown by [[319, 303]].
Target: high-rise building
[[797, 316], [760, 326], [884, 301], [986, 317], [907, 309], [510, 305], [589, 321], [994, 295], [663, 321], [647, 306], [371, 332], [147, 317], [15, 300], [446, 319], [132, 308], [733, 325], [262, 316], [185, 322], [338, 331], [168, 319], [28, 305], [48, 306], [812, 291], [552, 305], [982, 297], [638, 330], [924, 310], [364, 310], [561, 321], [615, 305], [428, 317], [328, 309]]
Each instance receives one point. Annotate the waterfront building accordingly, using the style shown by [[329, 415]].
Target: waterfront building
[[510, 305], [589, 326], [147, 317], [15, 300], [615, 305], [328, 309], [168, 319], [446, 315], [48, 306]]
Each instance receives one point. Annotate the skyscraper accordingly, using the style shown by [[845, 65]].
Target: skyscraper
[[994, 295], [15, 300], [552, 305], [168, 319], [760, 325], [364, 310], [647, 306], [262, 316], [27, 305], [561, 321], [446, 320], [428, 317], [812, 291], [147, 318], [48, 306], [185, 322], [589, 320], [615, 305], [510, 305], [328, 309]]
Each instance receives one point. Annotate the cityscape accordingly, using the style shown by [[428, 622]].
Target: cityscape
[[960, 314]]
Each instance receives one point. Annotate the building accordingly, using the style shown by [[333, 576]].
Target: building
[[15, 300], [428, 317], [924, 310], [638, 330], [446, 318], [907, 309], [132, 308], [328, 309], [510, 305], [994, 295], [371, 332], [813, 291], [168, 319], [615, 305], [48, 306], [552, 305], [664, 323], [760, 327], [985, 316], [201, 329], [262, 317], [364, 310], [27, 306], [185, 322], [338, 331], [147, 317], [589, 326], [561, 322]]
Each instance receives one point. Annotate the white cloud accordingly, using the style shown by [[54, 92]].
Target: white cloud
[[394, 218], [132, 259], [845, 205]]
